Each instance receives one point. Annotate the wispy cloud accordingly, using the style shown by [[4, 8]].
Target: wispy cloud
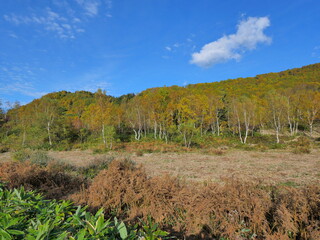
[[91, 7], [49, 20], [89, 81], [316, 52], [13, 35], [66, 23], [249, 34], [185, 46], [24, 88], [18, 79], [173, 47]]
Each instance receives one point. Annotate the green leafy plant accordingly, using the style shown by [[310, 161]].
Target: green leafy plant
[[27, 215]]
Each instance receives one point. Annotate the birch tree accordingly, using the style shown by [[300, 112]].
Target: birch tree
[[276, 109]]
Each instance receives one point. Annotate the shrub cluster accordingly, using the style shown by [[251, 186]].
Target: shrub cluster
[[303, 145], [37, 157]]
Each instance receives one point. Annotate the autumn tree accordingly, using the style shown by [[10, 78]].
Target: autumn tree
[[293, 109], [25, 121], [2, 118], [243, 113], [99, 118], [187, 119], [215, 108], [310, 101], [276, 110], [47, 113]]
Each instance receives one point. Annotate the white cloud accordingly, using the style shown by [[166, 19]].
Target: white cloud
[[168, 48], [249, 34]]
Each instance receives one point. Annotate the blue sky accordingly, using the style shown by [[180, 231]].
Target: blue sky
[[126, 46]]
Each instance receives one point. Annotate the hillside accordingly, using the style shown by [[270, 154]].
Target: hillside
[[293, 78], [286, 102]]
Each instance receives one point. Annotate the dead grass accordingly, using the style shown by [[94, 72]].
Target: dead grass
[[234, 210], [270, 167], [52, 180], [150, 146], [5, 157]]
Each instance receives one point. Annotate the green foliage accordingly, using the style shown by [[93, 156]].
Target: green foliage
[[27, 215], [152, 231], [22, 155], [37, 157], [278, 146], [98, 164]]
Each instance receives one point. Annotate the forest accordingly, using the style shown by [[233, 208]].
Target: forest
[[282, 104]]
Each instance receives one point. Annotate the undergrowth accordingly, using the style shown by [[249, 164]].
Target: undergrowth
[[27, 215], [232, 210], [302, 146]]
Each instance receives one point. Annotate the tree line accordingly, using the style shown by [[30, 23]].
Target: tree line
[[285, 102]]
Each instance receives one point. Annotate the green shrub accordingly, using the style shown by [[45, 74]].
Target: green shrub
[[278, 146], [22, 155], [98, 164], [40, 158]]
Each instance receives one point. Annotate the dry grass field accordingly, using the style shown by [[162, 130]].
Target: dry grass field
[[271, 167], [275, 167]]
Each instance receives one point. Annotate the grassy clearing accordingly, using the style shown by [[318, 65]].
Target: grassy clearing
[[212, 164]]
